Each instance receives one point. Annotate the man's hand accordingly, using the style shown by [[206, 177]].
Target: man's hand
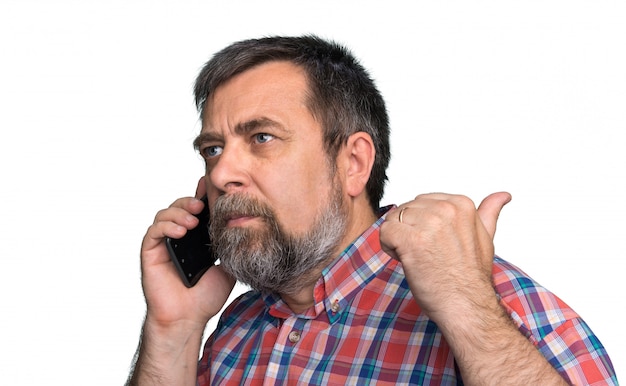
[[168, 299], [446, 248], [176, 315]]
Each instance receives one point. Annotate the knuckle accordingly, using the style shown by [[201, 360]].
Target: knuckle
[[466, 203], [462, 205], [159, 215], [446, 209]]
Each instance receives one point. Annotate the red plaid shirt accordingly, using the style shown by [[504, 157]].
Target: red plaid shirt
[[366, 328]]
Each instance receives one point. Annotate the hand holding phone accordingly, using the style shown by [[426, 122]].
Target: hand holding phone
[[192, 254]]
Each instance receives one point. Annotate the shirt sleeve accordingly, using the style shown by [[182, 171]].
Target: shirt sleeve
[[557, 331]]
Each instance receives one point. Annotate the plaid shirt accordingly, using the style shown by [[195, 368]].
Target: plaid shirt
[[366, 328]]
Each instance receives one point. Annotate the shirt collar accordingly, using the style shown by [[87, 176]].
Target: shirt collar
[[341, 280]]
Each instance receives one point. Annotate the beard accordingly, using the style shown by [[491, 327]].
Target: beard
[[270, 259]]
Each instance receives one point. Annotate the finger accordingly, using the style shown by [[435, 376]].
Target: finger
[[386, 232], [182, 215], [489, 210], [201, 188], [171, 222], [185, 205]]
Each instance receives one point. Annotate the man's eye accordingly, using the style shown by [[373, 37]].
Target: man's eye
[[263, 137], [211, 151]]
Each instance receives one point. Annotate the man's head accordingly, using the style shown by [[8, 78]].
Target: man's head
[[341, 94], [291, 129]]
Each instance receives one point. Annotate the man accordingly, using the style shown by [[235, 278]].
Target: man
[[295, 140]]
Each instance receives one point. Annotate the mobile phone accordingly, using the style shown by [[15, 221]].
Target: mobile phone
[[192, 254]]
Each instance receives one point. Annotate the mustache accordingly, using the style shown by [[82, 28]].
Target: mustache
[[239, 205]]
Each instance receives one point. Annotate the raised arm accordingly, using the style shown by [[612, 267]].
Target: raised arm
[[176, 315], [446, 248]]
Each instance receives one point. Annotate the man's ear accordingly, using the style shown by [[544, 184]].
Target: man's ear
[[358, 155]]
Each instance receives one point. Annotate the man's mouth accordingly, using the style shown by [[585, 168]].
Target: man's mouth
[[239, 220], [239, 211]]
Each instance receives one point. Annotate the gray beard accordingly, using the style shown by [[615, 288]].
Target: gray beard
[[271, 259]]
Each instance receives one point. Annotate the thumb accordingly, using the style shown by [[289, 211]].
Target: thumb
[[489, 210]]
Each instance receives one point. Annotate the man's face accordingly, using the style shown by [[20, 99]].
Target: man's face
[[269, 177]]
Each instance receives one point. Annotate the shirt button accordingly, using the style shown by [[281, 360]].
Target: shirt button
[[294, 336], [335, 306]]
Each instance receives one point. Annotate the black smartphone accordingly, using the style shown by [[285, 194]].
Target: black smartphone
[[192, 254]]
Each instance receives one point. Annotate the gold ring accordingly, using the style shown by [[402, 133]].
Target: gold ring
[[401, 213]]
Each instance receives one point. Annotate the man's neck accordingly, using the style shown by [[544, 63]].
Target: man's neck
[[358, 222]]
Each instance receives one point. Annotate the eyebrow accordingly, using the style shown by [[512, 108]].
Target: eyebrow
[[258, 124], [242, 128]]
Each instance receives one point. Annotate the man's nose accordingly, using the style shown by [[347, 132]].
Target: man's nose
[[231, 171]]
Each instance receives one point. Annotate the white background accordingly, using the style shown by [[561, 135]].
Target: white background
[[97, 120]]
